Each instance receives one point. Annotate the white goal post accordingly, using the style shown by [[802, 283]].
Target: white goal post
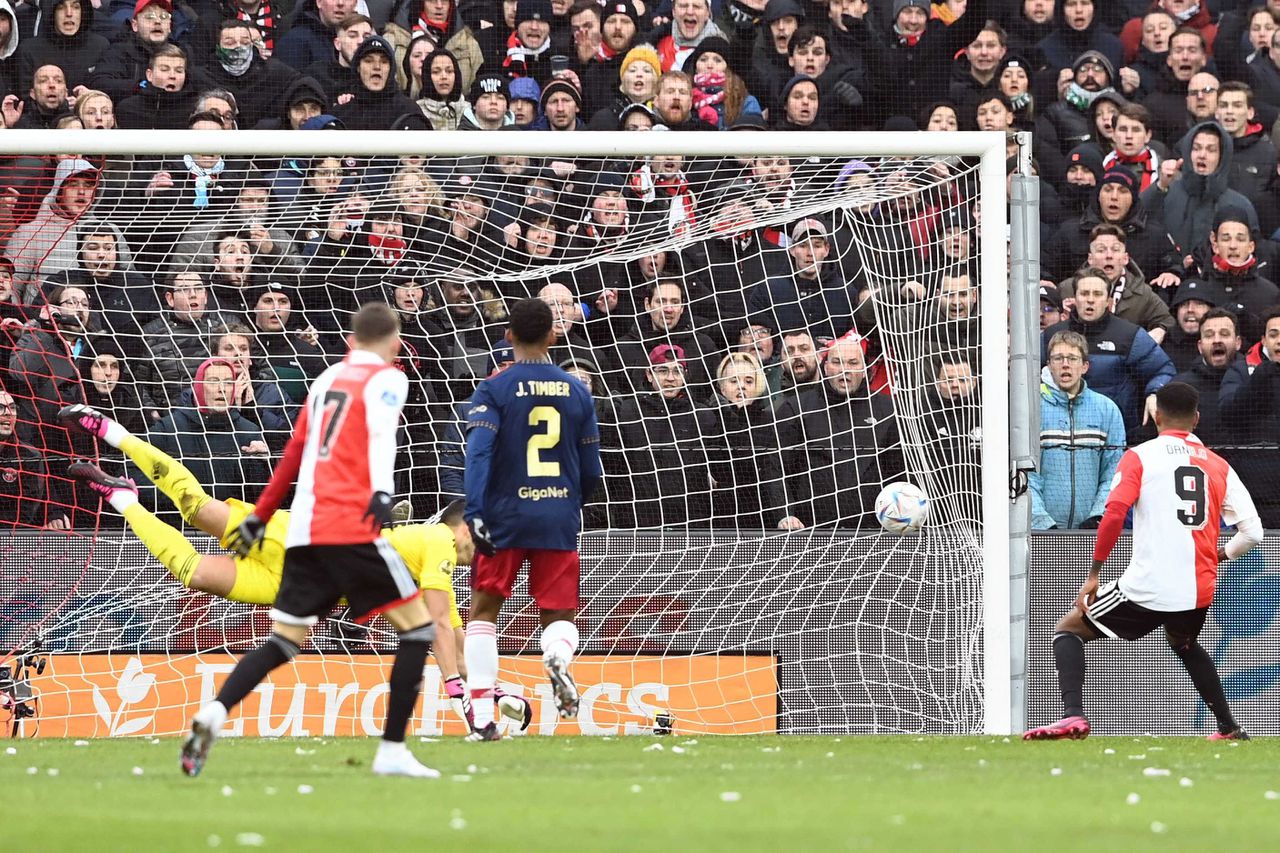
[[991, 230]]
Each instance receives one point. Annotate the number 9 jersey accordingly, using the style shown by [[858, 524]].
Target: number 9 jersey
[[1181, 492], [533, 456]]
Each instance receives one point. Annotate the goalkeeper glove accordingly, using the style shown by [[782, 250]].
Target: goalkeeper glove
[[378, 515], [480, 536], [459, 700], [248, 535]]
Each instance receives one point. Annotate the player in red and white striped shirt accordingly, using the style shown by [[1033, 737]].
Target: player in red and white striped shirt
[[1180, 492], [343, 453]]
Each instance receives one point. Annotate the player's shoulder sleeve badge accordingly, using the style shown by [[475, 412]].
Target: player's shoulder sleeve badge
[[390, 398], [446, 566]]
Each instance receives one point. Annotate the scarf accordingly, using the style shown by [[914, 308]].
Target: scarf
[[1020, 100], [681, 214], [387, 248], [264, 20], [517, 58], [1082, 98], [942, 12], [204, 179], [1146, 163], [1117, 291], [708, 92], [1239, 270], [907, 39], [236, 60], [1188, 13], [437, 31], [604, 53]]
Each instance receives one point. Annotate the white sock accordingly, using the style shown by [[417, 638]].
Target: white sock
[[121, 500], [481, 654], [559, 641], [213, 715], [116, 433]]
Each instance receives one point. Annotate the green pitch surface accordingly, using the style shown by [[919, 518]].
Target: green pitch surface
[[778, 794]]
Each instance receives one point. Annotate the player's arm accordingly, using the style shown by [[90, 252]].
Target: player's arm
[[592, 472], [1238, 509], [482, 437], [1125, 486], [384, 397], [254, 525]]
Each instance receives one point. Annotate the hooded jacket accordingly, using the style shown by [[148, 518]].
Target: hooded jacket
[[300, 91], [456, 37], [306, 39], [1191, 203], [444, 111], [8, 63], [1214, 427], [1081, 441], [48, 243], [76, 55], [258, 90], [370, 110]]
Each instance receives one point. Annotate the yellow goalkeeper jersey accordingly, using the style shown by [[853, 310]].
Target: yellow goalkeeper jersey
[[428, 551]]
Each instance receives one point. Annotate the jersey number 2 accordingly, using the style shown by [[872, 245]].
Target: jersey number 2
[[550, 416], [1191, 486], [333, 413]]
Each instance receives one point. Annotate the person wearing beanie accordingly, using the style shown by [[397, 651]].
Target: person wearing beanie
[[909, 66], [798, 105], [1081, 175], [442, 101], [490, 102], [637, 83], [720, 96], [1115, 202], [1077, 30], [529, 50], [561, 107], [1067, 122], [770, 66], [377, 101], [619, 27], [526, 95], [1013, 79]]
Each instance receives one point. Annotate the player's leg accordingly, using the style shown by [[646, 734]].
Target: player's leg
[[413, 625], [306, 592], [1183, 631], [492, 579], [513, 706], [202, 572], [196, 506], [553, 584], [1069, 636]]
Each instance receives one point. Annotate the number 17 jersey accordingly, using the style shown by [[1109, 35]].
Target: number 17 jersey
[[1181, 492], [525, 478]]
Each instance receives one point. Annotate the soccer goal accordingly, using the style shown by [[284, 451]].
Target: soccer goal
[[774, 327]]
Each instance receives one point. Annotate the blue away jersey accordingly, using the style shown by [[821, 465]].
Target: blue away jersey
[[533, 456]]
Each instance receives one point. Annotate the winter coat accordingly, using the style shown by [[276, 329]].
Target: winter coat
[[1215, 428], [123, 303], [258, 90], [151, 108], [825, 308], [1061, 47], [838, 453], [746, 466], [24, 485], [369, 110], [123, 68], [664, 442], [1191, 203], [460, 41], [1081, 441], [630, 358], [208, 444], [1183, 349], [49, 242], [1252, 407], [306, 39], [175, 349], [8, 50], [1124, 362], [1144, 240], [44, 376], [1248, 296], [76, 55]]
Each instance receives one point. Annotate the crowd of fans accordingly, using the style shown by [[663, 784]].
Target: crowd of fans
[[740, 367]]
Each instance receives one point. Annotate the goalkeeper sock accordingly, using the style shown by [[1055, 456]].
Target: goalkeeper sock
[[254, 667], [168, 545], [171, 477], [406, 680], [115, 433], [481, 653], [1204, 675], [1068, 656], [559, 641]]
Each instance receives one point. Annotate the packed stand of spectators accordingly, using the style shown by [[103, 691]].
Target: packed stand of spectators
[[740, 377]]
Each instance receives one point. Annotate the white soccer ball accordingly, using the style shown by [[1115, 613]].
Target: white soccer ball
[[901, 508]]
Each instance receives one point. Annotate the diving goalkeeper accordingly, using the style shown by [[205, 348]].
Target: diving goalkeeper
[[430, 551]]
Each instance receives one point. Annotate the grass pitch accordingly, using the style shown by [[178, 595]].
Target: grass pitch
[[606, 794]]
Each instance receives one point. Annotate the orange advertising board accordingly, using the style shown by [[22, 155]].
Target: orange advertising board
[[117, 695]]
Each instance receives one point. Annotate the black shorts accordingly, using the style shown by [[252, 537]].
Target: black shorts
[[371, 576], [1119, 618]]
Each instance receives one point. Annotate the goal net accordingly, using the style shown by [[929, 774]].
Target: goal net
[[773, 329]]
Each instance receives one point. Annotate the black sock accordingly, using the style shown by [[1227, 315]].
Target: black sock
[[1204, 675], [406, 681], [253, 668], [1068, 656]]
